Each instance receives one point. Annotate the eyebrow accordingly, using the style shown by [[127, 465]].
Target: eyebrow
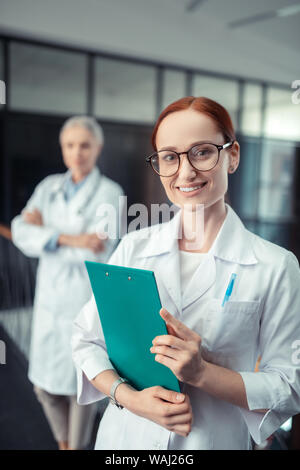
[[190, 146]]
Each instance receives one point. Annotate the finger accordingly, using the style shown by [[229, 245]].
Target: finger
[[171, 330], [168, 395], [181, 330], [184, 418], [169, 340], [29, 218], [166, 351], [182, 429], [166, 361], [102, 236]]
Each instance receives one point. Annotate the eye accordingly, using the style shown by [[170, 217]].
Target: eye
[[202, 151], [85, 145], [168, 157]]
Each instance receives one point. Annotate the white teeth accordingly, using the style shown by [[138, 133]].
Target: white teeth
[[186, 190]]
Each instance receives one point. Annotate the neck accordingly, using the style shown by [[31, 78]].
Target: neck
[[199, 229], [77, 177]]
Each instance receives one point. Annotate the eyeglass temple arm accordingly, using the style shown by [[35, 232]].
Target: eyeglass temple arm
[[227, 145]]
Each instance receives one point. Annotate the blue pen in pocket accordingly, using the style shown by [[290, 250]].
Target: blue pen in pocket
[[229, 289]]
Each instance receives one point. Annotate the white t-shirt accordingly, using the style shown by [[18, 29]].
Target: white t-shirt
[[189, 262]]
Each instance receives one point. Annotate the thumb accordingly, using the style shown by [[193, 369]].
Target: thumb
[[169, 395]]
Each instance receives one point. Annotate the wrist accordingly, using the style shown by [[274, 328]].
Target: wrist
[[200, 382], [67, 240], [126, 395]]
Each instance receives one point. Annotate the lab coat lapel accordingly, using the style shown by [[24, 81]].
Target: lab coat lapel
[[160, 254], [232, 245], [202, 280], [167, 274]]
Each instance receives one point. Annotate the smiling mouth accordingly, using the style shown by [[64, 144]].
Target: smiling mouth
[[191, 189]]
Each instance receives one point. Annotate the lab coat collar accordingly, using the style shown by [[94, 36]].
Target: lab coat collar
[[233, 242], [82, 197], [92, 177]]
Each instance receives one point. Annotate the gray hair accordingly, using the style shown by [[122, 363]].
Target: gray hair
[[88, 123]]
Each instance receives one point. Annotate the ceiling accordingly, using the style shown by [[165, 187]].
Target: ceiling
[[285, 30], [166, 31]]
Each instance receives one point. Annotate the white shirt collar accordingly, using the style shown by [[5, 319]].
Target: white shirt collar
[[233, 242]]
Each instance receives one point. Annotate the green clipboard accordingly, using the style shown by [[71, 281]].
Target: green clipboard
[[128, 304]]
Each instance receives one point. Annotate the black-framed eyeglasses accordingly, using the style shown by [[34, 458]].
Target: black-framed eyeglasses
[[203, 156]]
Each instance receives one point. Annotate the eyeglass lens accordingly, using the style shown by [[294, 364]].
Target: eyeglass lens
[[202, 157]]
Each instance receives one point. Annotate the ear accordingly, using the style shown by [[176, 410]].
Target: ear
[[234, 157], [99, 150]]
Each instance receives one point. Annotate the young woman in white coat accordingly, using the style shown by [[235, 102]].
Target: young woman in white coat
[[59, 225], [211, 348]]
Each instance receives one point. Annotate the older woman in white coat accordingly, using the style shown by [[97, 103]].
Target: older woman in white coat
[[211, 347], [59, 225]]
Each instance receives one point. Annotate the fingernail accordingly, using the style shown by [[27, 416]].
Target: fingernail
[[179, 396]]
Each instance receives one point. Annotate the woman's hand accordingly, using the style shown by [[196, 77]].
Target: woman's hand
[[169, 409], [180, 350], [92, 242], [34, 217]]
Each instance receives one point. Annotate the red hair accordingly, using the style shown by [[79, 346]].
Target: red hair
[[204, 105]]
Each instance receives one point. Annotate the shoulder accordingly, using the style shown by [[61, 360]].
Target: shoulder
[[137, 241], [47, 185], [50, 180], [107, 183], [271, 254]]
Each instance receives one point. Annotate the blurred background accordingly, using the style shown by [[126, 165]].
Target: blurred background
[[123, 61]]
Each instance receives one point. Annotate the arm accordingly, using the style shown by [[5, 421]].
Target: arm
[[169, 409], [28, 235], [266, 398], [96, 374], [181, 352], [93, 244], [90, 241], [224, 384]]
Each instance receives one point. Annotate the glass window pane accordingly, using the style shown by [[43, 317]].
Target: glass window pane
[[246, 179], [2, 85], [251, 119], [276, 182], [282, 115], [45, 79], [275, 233], [1, 61], [250, 225], [173, 86], [125, 91], [225, 92]]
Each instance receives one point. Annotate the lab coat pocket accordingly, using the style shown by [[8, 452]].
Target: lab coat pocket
[[232, 328]]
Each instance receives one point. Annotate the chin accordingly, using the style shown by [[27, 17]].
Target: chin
[[192, 206]]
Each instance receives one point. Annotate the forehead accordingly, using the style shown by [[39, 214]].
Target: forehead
[[182, 128], [76, 132]]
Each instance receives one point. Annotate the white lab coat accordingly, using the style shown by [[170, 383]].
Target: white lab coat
[[262, 317], [62, 286]]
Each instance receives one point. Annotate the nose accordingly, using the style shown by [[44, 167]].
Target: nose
[[186, 170], [77, 151]]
